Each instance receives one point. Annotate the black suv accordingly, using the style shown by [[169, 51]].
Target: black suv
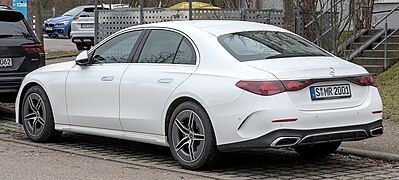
[[20, 53]]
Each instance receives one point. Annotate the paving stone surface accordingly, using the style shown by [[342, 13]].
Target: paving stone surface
[[261, 164]]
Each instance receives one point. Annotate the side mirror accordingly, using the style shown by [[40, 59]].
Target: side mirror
[[82, 59]]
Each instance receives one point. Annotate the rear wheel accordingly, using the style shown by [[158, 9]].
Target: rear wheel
[[80, 47], [317, 150], [37, 116], [191, 137]]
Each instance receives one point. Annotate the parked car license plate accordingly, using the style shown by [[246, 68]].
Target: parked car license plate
[[330, 91], [49, 28], [87, 25], [5, 62]]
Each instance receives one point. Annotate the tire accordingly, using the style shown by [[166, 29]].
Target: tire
[[86, 47], [317, 150], [191, 137], [80, 47], [37, 116], [69, 33]]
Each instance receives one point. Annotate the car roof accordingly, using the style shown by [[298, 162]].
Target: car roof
[[5, 7], [217, 27]]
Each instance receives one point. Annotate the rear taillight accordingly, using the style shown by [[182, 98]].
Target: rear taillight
[[264, 88], [295, 85], [33, 48], [364, 80], [268, 88], [75, 18]]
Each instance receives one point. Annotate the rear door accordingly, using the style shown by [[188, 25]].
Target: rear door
[[166, 60]]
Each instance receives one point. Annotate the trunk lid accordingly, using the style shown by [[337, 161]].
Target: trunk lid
[[326, 70]]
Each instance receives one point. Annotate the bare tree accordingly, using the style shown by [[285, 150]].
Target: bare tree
[[289, 15]]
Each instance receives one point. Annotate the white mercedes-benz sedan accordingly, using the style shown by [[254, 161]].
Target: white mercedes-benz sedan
[[202, 88]]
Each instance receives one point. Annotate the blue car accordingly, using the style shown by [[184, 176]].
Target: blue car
[[61, 26]]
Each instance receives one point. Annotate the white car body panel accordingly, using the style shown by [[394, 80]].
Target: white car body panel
[[84, 87], [109, 109], [145, 88], [78, 31], [55, 82]]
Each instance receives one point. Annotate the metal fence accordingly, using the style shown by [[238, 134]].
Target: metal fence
[[110, 21]]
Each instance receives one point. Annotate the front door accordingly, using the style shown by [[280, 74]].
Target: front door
[[92, 92]]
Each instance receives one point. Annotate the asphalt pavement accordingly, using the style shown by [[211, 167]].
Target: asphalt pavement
[[387, 143], [58, 45]]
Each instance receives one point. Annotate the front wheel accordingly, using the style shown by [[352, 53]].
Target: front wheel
[[317, 150], [37, 116], [191, 137]]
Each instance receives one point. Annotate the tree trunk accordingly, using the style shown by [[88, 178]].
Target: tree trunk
[[39, 20], [289, 15]]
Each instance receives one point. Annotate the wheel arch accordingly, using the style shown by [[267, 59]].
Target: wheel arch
[[22, 94], [174, 105]]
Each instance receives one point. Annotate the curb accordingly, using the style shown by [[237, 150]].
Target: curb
[[369, 154], [58, 57]]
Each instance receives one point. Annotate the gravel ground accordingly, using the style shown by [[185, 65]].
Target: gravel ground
[[19, 161]]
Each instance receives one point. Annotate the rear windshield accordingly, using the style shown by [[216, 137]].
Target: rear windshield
[[12, 24], [75, 11], [256, 45]]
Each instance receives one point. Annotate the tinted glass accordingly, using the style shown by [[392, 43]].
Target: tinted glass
[[74, 12], [256, 45], [116, 50], [12, 24], [185, 54], [161, 47]]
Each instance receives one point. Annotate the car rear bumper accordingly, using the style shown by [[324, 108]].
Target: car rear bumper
[[10, 82], [293, 137], [251, 117], [83, 40]]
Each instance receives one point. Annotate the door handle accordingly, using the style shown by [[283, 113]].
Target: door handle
[[165, 80], [107, 78]]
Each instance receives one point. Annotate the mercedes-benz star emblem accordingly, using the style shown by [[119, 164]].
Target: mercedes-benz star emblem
[[332, 71]]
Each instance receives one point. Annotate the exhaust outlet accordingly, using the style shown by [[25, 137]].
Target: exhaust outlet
[[285, 142], [377, 131]]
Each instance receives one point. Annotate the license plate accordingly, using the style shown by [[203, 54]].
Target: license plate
[[5, 62], [87, 25], [330, 91], [49, 28]]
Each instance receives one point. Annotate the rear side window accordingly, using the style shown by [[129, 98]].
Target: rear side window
[[167, 47], [161, 47], [185, 53], [257, 45], [12, 24]]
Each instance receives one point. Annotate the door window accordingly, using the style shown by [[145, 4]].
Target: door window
[[167, 47], [185, 54], [161, 47], [116, 50]]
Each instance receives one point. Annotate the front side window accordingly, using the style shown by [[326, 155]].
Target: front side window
[[257, 45], [116, 50]]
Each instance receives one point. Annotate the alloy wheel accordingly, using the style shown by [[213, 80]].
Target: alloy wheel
[[34, 114], [188, 136]]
